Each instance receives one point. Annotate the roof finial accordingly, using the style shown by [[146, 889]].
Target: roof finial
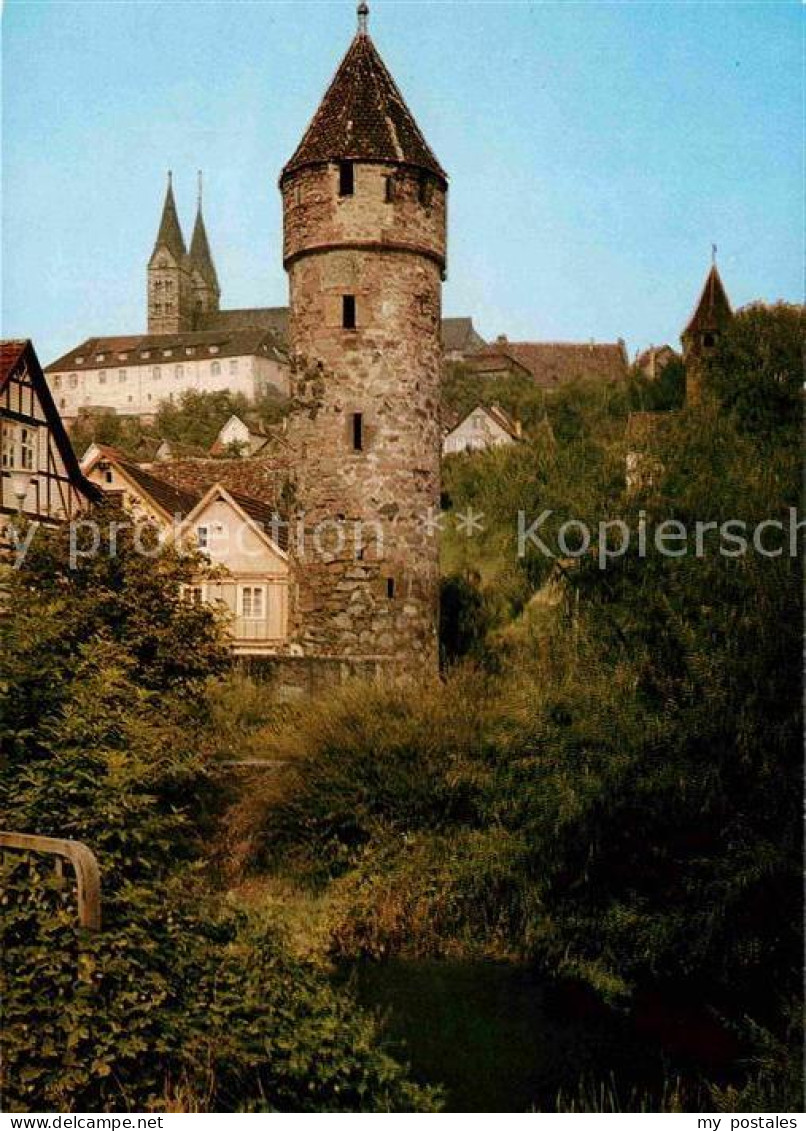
[[363, 16], [170, 178], [200, 189], [713, 255]]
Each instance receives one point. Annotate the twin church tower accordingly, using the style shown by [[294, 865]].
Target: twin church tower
[[364, 245]]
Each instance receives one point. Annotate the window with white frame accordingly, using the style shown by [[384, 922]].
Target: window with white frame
[[215, 368], [27, 448], [122, 376], [253, 602], [203, 537], [8, 444], [18, 446]]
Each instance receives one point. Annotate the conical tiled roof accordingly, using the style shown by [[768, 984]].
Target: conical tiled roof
[[363, 117], [200, 256], [713, 310], [170, 233]]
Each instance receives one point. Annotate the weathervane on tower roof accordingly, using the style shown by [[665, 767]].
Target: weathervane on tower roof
[[363, 17], [713, 254], [200, 189]]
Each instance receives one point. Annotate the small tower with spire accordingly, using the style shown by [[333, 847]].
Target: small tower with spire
[[711, 315], [364, 209], [169, 283], [204, 280]]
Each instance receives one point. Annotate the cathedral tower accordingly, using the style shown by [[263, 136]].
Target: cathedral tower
[[710, 317], [169, 282], [364, 216], [204, 280]]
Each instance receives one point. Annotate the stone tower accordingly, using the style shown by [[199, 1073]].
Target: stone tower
[[364, 213], [710, 317], [170, 288], [204, 280]]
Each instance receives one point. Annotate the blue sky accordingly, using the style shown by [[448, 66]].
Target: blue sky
[[595, 151]]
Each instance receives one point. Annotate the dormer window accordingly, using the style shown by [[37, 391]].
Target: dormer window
[[146, 354], [346, 178], [100, 357], [190, 350], [213, 349], [79, 360], [167, 353], [348, 312]]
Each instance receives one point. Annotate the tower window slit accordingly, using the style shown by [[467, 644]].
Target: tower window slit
[[348, 312], [425, 189], [389, 183], [390, 587], [358, 432], [346, 178]]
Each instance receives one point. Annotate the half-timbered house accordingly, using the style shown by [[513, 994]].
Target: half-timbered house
[[41, 478]]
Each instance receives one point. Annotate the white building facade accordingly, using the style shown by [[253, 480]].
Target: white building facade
[[130, 376]]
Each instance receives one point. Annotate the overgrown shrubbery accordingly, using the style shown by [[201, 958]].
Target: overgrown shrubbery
[[621, 804], [177, 1004]]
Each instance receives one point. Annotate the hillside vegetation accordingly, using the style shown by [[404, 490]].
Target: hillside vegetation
[[190, 424], [612, 789]]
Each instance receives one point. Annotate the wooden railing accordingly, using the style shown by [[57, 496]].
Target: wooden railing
[[88, 874]]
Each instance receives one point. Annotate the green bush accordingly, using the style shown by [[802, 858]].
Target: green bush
[[176, 1003]]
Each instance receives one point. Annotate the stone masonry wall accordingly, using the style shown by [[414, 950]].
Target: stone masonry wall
[[368, 573], [316, 217]]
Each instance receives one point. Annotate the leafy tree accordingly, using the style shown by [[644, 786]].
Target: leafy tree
[[177, 1003], [756, 371], [664, 393], [196, 418], [126, 433]]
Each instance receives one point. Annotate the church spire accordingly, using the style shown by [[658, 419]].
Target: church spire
[[200, 257], [169, 234], [713, 309]]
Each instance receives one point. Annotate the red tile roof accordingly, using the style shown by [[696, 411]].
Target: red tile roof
[[10, 353], [260, 478], [552, 364], [363, 117]]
